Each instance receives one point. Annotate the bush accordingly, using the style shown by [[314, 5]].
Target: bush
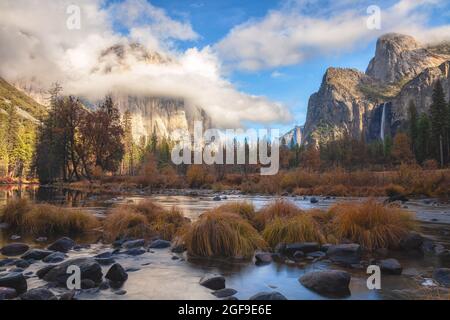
[[371, 224], [394, 190], [299, 228], [217, 234]]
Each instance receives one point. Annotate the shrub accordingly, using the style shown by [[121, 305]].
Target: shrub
[[394, 190], [299, 228], [217, 234], [371, 224]]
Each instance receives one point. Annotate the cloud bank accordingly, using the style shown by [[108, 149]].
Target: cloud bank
[[304, 29], [36, 44]]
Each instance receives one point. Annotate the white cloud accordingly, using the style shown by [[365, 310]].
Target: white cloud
[[35, 44], [293, 34]]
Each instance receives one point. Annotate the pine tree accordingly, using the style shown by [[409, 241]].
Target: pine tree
[[439, 123], [423, 138], [413, 126]]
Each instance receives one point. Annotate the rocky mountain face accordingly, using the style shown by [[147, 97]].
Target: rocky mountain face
[[375, 103], [293, 138]]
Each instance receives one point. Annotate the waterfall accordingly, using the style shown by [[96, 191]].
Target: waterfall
[[383, 119]]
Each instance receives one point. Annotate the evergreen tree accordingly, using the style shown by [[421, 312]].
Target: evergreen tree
[[413, 126], [439, 123], [423, 138]]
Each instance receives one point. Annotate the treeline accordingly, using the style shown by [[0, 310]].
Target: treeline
[[17, 140], [75, 143]]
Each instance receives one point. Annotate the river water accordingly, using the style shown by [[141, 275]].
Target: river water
[[156, 275]]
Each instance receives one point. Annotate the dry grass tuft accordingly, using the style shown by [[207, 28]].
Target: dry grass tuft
[[371, 224], [143, 220], [46, 219], [218, 234], [277, 209], [299, 228], [244, 209]]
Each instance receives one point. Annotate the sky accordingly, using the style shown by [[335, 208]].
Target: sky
[[248, 63]]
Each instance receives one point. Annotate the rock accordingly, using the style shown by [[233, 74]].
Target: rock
[[313, 200], [217, 198], [305, 247], [38, 294], [18, 270], [15, 237], [7, 262], [391, 266], [279, 248], [14, 280], [87, 284], [90, 269], [116, 273], [20, 263], [213, 282], [224, 293], [413, 241], [7, 293], [329, 282], [133, 244], [104, 285], [268, 296], [54, 257], [42, 272], [14, 249], [325, 247], [316, 255], [62, 245], [160, 244], [346, 254], [105, 261], [298, 255], [263, 258], [442, 276], [120, 292], [69, 295], [383, 252], [36, 254], [41, 239], [135, 252], [178, 248]]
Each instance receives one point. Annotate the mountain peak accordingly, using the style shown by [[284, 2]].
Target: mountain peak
[[400, 57]]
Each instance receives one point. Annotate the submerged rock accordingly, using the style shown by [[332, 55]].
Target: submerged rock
[[135, 252], [329, 282], [213, 282], [263, 258], [159, 244], [268, 296], [313, 200], [21, 263], [442, 276], [14, 249], [54, 257], [36, 254], [62, 245], [133, 244], [38, 294], [391, 266], [412, 241], [42, 272], [7, 293], [346, 254], [224, 293], [305, 247], [14, 280]]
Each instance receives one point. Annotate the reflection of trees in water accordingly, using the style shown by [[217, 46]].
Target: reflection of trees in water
[[71, 198]]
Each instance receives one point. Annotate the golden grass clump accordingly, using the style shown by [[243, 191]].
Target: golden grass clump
[[218, 234], [371, 224], [46, 219], [143, 220], [299, 228], [276, 209], [244, 209]]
